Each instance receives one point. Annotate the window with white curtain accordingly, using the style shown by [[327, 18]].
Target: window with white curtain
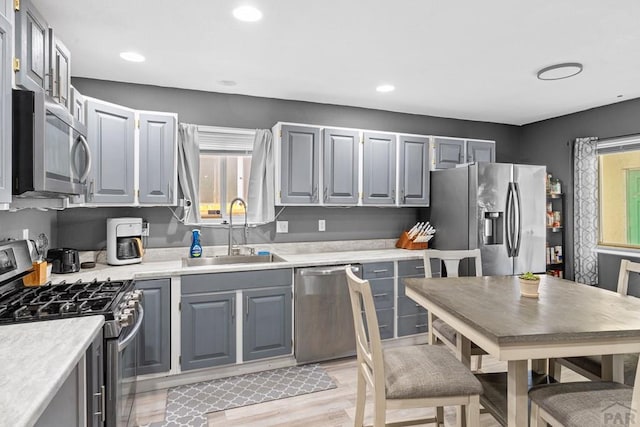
[[619, 188], [225, 165]]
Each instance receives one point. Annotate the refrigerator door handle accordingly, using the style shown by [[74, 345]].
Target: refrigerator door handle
[[509, 221], [517, 218]]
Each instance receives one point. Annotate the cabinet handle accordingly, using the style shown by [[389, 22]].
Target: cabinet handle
[[233, 308], [247, 306], [380, 271], [421, 325], [419, 267], [393, 193], [101, 412], [380, 295], [402, 196], [91, 190], [324, 197], [383, 326]]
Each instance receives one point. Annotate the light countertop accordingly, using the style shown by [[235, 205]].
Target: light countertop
[[170, 262], [35, 360]]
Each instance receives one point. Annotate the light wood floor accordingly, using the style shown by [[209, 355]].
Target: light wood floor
[[334, 407]]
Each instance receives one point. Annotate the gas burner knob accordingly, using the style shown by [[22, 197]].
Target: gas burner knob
[[136, 295], [132, 303], [126, 317]]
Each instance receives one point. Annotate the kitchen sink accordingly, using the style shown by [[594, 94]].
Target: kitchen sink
[[230, 259]]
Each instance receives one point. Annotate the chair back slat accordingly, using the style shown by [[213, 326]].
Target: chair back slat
[[451, 260], [626, 267], [368, 342]]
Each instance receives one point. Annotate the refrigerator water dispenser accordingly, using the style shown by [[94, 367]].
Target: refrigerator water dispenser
[[493, 226]]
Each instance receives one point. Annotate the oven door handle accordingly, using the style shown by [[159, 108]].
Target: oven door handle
[[125, 342]]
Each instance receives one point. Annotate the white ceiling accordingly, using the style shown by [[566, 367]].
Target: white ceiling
[[465, 59]]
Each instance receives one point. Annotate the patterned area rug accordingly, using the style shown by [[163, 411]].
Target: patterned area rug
[[188, 405]]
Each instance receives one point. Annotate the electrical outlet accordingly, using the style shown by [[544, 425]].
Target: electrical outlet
[[145, 229], [25, 233], [321, 225], [282, 226]]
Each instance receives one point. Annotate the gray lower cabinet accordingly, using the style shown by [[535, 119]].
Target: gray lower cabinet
[[158, 146], [481, 151], [208, 328], [266, 323], [449, 152], [300, 165], [67, 406], [111, 137], [412, 317], [341, 166], [380, 276], [6, 42], [32, 48], [414, 170], [154, 349], [379, 169], [95, 383]]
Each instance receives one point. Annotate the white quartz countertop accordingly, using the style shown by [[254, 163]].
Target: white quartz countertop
[[173, 267], [35, 360]]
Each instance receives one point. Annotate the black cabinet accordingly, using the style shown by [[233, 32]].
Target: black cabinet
[[154, 349]]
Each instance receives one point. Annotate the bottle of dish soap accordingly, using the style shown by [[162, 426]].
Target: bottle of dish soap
[[196, 249]]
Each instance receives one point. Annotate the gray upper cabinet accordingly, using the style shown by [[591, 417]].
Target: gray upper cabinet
[[60, 81], [300, 164], [208, 330], [111, 137], [157, 158], [6, 8], [32, 48], [414, 170], [340, 167], [481, 151], [154, 349], [449, 152], [379, 169], [6, 41], [267, 323]]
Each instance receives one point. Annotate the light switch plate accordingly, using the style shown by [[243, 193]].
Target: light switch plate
[[321, 225], [282, 226]]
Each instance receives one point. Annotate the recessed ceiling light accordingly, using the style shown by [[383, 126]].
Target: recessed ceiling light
[[386, 88], [132, 56], [560, 71], [227, 82], [247, 14]]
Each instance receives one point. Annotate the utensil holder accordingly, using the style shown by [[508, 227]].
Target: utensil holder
[[38, 276], [404, 242]]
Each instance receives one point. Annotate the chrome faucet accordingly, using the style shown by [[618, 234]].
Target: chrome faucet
[[233, 202]]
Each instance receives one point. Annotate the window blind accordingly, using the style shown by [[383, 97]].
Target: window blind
[[221, 139]]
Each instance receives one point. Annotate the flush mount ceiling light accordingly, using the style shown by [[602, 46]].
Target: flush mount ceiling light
[[560, 71], [247, 14], [132, 56], [385, 88]]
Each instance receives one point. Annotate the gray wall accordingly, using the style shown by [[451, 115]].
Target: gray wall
[[549, 142], [12, 224], [85, 228]]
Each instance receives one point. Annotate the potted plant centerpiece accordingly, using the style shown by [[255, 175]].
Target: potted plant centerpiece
[[529, 283]]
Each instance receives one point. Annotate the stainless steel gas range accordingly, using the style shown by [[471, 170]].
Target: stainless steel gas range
[[117, 301]]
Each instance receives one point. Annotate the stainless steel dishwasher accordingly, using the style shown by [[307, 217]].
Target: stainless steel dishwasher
[[323, 316]]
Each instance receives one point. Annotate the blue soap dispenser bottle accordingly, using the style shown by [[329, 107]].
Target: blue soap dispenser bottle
[[196, 249]]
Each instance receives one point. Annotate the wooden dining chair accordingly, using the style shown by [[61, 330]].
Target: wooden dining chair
[[406, 377], [585, 404], [438, 329], [591, 367]]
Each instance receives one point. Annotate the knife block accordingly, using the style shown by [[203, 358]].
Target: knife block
[[38, 275], [404, 242]]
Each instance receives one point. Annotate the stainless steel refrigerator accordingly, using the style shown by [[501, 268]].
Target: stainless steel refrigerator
[[497, 207]]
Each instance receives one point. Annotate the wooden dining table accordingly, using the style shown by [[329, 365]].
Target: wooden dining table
[[567, 319]]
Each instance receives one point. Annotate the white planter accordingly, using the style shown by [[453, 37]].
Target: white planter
[[529, 288]]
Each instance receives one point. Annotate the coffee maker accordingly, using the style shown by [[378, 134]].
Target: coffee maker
[[124, 241]]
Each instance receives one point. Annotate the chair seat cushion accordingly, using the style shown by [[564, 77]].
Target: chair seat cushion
[[593, 364], [584, 404], [421, 371], [449, 333]]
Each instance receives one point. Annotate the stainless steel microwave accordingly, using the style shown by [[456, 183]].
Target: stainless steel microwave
[[51, 156]]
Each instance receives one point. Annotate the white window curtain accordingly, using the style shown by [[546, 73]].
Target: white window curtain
[[189, 171], [261, 197], [586, 214]]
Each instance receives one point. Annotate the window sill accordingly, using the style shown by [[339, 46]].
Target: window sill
[[614, 250]]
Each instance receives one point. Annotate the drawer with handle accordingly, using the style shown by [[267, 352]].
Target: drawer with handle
[[378, 270], [382, 290], [409, 325], [407, 306]]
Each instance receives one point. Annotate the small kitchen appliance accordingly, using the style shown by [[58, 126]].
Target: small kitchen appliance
[[124, 241], [63, 260]]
